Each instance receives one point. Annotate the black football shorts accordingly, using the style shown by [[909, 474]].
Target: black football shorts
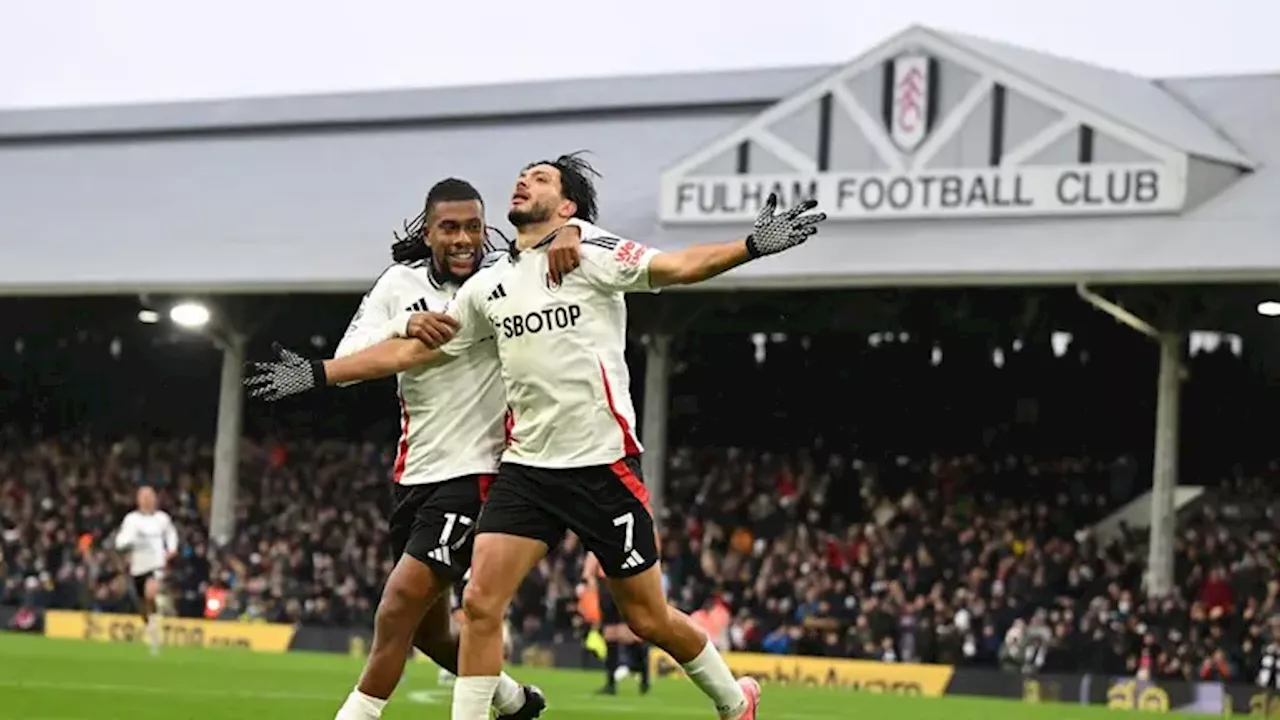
[[434, 523], [140, 584], [607, 506]]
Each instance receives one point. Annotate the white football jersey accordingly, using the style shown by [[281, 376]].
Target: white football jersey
[[452, 411], [148, 538], [562, 348]]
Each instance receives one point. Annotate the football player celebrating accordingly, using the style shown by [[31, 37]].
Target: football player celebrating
[[572, 463]]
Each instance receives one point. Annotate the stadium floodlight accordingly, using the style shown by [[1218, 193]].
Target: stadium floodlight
[[150, 317], [192, 315], [1269, 308]]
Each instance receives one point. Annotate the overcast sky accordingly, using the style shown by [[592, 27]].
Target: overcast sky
[[68, 52]]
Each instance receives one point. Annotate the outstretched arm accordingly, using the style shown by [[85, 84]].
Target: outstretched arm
[[629, 266], [383, 359], [422, 334], [291, 374], [696, 263]]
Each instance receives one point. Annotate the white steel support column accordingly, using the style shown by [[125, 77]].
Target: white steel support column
[[1164, 481], [226, 449], [653, 430]]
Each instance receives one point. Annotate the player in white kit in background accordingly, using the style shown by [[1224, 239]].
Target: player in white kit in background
[[452, 417], [148, 535], [572, 462]]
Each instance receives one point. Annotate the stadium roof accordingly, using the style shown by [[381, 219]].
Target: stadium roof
[[301, 193], [1139, 103], [557, 99]]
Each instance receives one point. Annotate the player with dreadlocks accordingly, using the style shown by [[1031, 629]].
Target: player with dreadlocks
[[572, 462], [452, 434]]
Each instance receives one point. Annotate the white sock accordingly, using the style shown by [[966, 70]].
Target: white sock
[[472, 697], [360, 707], [508, 698], [712, 676], [153, 632]]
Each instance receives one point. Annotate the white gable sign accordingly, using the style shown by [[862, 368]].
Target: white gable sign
[[913, 132], [1097, 190]]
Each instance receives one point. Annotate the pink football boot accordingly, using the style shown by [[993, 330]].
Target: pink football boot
[[751, 689]]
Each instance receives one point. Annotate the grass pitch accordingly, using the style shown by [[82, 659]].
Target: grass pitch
[[43, 679]]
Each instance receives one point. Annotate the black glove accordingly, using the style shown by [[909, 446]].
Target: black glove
[[292, 374], [774, 233]]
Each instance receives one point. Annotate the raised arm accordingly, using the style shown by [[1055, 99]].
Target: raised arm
[[631, 267], [696, 263]]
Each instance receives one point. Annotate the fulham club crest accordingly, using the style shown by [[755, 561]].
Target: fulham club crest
[[909, 112]]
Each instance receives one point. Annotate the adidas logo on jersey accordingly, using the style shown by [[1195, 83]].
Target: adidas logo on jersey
[[419, 305], [633, 561], [498, 292]]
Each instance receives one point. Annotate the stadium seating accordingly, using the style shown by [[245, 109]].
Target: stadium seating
[[958, 560]]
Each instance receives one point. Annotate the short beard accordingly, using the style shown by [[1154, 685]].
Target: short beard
[[524, 218], [445, 273]]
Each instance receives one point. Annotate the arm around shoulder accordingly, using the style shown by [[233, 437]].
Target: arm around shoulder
[[467, 309], [398, 354]]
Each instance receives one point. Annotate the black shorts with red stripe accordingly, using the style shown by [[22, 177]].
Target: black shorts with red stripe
[[434, 523], [607, 506]]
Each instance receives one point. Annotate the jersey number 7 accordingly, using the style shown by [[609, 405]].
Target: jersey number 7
[[628, 524]]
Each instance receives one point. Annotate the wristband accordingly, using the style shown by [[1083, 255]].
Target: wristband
[[318, 375]]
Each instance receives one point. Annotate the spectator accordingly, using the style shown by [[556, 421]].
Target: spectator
[[760, 546], [714, 618]]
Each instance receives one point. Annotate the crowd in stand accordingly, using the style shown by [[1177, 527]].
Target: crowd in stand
[[309, 547], [958, 560], [966, 562]]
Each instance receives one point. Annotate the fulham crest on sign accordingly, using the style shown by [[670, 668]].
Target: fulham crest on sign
[[909, 110]]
